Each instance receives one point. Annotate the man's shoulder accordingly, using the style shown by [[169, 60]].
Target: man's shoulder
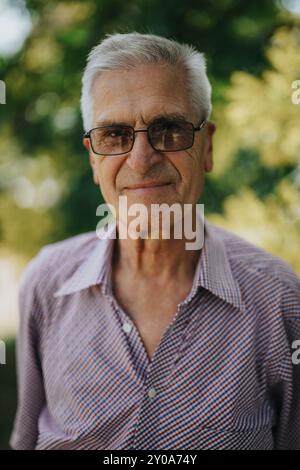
[[254, 261], [58, 260], [80, 245]]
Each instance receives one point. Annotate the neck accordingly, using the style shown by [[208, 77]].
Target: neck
[[161, 259]]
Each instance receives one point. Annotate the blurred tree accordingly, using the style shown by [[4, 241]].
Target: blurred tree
[[260, 111], [264, 121]]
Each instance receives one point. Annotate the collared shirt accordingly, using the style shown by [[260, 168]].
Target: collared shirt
[[224, 375]]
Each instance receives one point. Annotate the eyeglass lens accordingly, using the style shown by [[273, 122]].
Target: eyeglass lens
[[166, 136]]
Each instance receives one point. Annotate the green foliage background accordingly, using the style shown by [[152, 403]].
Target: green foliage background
[[252, 50]]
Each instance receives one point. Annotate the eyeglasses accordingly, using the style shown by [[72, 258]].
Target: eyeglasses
[[165, 136]]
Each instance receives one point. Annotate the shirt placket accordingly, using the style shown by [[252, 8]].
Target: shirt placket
[[154, 373]]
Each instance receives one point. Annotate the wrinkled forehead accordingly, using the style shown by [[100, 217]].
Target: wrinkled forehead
[[140, 94]]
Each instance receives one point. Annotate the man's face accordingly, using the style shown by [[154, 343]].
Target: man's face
[[136, 97]]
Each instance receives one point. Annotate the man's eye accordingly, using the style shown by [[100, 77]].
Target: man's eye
[[113, 133]]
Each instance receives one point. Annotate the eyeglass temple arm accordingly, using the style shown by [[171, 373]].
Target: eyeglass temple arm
[[200, 125]]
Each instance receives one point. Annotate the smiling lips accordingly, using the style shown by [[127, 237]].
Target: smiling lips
[[147, 187]]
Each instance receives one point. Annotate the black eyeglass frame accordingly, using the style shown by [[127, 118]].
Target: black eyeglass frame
[[195, 129]]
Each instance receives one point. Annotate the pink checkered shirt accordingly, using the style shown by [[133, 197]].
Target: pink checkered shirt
[[222, 376]]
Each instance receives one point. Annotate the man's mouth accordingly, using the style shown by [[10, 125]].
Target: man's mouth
[[148, 187]]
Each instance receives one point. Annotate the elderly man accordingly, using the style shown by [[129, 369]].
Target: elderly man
[[138, 342]]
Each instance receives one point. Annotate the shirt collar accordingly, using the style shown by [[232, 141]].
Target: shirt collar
[[95, 269], [213, 271]]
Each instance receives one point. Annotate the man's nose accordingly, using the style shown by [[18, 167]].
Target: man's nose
[[143, 156]]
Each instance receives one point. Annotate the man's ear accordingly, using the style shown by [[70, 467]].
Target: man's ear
[[208, 146], [86, 142]]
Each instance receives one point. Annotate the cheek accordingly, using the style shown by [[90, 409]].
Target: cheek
[[187, 165], [108, 172], [190, 168]]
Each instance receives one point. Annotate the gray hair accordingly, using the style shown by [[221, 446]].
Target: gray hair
[[124, 51]]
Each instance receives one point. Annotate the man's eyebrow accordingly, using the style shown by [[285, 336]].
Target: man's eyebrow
[[159, 117], [111, 122], [169, 116]]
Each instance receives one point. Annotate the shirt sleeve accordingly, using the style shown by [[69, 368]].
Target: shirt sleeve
[[287, 388], [31, 397]]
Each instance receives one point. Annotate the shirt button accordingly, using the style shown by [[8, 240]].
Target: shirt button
[[127, 327], [151, 392]]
